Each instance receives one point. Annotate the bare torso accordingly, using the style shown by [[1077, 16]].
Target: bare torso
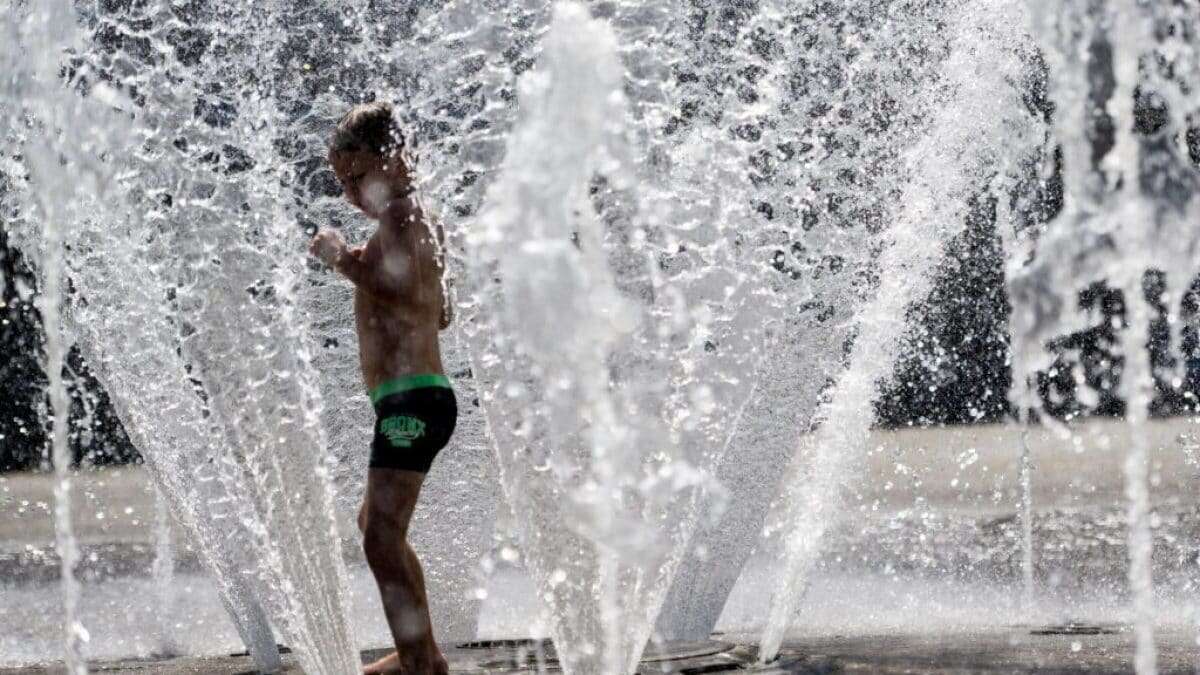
[[398, 317]]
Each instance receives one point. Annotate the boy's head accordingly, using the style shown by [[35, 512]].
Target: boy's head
[[366, 152]]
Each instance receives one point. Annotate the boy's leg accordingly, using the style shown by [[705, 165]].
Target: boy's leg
[[390, 500]]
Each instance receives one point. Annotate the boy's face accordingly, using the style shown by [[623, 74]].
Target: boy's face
[[369, 181]]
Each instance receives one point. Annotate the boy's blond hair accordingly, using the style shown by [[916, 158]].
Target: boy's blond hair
[[368, 127]]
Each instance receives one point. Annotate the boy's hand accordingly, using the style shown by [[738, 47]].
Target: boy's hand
[[328, 246]]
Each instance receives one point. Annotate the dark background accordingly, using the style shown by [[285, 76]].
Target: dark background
[[23, 404]]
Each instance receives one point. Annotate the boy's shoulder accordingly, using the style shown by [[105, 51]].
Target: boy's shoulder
[[399, 213], [405, 211]]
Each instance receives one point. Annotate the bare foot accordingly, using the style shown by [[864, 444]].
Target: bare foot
[[440, 665], [388, 664]]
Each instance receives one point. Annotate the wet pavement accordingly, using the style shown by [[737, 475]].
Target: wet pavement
[[500, 656], [1042, 649], [1065, 648]]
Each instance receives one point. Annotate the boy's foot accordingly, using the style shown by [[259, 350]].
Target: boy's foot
[[390, 665]]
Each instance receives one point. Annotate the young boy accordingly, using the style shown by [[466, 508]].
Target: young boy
[[399, 307]]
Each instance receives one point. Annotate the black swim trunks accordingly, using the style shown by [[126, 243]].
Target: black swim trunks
[[414, 418]]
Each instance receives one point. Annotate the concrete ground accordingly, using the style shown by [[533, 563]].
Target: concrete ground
[[112, 512], [484, 657], [1045, 649]]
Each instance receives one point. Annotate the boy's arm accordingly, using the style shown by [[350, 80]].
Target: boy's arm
[[331, 248], [351, 266]]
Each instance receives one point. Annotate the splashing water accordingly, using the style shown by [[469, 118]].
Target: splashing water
[[678, 235], [1129, 207], [163, 573], [823, 190], [981, 115], [537, 237], [592, 478], [235, 394], [45, 110]]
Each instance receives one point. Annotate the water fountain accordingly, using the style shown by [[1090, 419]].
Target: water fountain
[[216, 460], [965, 141], [1129, 208], [679, 236]]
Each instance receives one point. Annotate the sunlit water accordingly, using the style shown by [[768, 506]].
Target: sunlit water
[[1128, 216], [678, 237]]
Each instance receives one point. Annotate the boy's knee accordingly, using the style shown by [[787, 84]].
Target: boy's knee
[[384, 538]]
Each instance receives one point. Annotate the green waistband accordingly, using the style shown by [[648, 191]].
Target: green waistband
[[399, 384]]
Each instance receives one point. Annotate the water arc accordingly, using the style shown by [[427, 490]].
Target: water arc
[[680, 234]]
